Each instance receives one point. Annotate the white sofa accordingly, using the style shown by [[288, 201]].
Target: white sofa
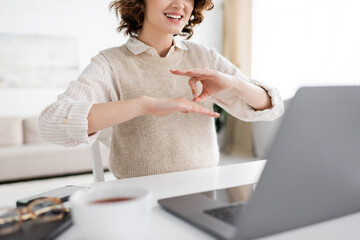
[[24, 155]]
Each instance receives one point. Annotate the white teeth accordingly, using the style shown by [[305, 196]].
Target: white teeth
[[173, 16]]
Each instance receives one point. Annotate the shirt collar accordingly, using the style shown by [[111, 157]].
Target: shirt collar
[[136, 46]]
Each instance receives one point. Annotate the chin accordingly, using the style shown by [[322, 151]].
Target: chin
[[175, 32]]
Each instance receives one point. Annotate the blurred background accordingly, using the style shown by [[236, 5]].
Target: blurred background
[[45, 44]]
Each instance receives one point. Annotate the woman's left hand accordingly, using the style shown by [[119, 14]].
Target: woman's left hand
[[212, 81]]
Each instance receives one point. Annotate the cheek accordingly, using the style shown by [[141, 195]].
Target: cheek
[[190, 2], [190, 8]]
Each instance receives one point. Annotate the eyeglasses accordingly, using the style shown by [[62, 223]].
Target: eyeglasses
[[43, 209]]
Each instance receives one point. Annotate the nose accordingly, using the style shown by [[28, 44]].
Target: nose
[[178, 4]]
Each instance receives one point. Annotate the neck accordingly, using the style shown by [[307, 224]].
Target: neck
[[160, 41]]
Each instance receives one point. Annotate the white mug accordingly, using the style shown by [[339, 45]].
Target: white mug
[[111, 212]]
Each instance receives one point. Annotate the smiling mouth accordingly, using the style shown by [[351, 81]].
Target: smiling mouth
[[175, 17]]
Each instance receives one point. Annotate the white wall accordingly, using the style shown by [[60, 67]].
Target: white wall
[[306, 42], [89, 21]]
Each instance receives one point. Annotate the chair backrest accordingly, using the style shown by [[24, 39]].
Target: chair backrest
[[97, 166]]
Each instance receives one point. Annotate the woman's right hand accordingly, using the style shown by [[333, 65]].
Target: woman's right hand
[[104, 115], [165, 106]]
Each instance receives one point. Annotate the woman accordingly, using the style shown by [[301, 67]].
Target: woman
[[157, 92]]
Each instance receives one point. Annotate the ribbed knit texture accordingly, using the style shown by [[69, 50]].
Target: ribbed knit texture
[[151, 145]]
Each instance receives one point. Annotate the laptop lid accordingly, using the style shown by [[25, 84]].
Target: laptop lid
[[313, 170]]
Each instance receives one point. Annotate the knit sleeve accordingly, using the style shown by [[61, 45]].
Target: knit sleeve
[[233, 104], [65, 121]]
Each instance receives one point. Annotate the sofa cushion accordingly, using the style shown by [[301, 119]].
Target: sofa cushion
[[45, 160], [11, 131], [31, 131]]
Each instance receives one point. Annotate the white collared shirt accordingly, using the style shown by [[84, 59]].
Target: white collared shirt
[[136, 47]]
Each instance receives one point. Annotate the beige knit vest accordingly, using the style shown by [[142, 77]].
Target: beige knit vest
[[150, 145]]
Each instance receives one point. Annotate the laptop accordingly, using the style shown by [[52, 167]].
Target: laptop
[[311, 175]]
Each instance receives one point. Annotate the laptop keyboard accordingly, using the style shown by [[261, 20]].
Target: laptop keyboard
[[227, 214]]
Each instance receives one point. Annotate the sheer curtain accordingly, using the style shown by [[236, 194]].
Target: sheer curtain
[[237, 48]]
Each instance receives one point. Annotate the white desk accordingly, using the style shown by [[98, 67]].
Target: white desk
[[166, 226]]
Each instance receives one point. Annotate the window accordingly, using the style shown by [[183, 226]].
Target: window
[[305, 42]]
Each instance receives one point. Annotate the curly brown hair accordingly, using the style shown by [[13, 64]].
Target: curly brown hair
[[131, 13]]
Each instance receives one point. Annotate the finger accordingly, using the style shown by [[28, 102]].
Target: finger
[[192, 84], [202, 97], [184, 73], [202, 71], [185, 105], [206, 112], [196, 72], [202, 110]]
